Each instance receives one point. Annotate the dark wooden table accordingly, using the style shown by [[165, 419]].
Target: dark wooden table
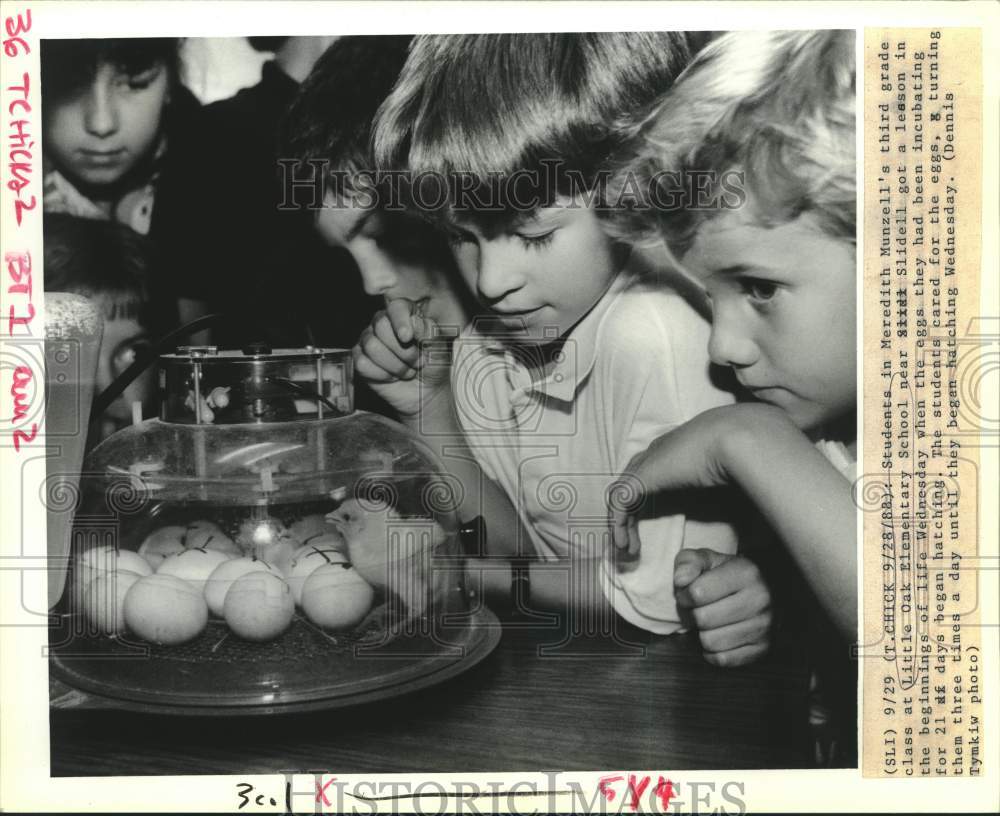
[[661, 708]]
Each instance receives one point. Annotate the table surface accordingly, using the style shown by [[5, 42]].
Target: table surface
[[660, 706]]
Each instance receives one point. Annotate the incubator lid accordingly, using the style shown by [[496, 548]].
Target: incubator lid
[[261, 463], [255, 384]]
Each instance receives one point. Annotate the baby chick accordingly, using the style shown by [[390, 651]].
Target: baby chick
[[391, 554]]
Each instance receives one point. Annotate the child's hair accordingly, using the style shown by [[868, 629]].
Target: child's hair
[[98, 259], [267, 43], [70, 65], [544, 111], [778, 107], [331, 120], [331, 117]]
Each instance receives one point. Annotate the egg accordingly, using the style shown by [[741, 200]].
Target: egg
[[312, 527], [259, 606], [207, 535], [328, 541], [194, 566], [161, 543], [222, 578], [104, 600], [102, 560], [307, 560], [336, 597], [165, 609]]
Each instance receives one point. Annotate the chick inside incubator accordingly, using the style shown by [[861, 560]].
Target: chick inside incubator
[[392, 554]]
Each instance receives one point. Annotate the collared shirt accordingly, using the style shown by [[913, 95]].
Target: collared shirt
[[837, 454], [633, 368], [134, 208]]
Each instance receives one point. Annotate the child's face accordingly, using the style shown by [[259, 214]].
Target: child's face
[[398, 256], [783, 311], [542, 275], [99, 133], [124, 338]]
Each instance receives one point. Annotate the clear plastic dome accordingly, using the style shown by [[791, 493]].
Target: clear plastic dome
[[339, 533]]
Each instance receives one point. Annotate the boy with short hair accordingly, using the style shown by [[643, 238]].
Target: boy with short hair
[[327, 130], [586, 354]]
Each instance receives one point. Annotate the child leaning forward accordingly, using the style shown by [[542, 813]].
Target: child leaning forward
[[777, 107], [583, 354]]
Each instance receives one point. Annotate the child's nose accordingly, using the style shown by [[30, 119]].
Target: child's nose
[[499, 273], [728, 344], [377, 276], [105, 373], [101, 110]]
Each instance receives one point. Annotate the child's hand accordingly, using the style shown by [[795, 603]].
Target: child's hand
[[685, 457], [696, 454], [728, 600], [390, 356]]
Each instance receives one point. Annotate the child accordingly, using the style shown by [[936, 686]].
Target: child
[[104, 125], [397, 254], [326, 131], [121, 134], [108, 263], [780, 271], [586, 355]]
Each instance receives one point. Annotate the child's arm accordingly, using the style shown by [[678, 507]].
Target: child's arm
[[804, 498], [659, 366], [393, 357], [566, 586]]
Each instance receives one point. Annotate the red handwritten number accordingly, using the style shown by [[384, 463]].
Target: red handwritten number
[[20, 436], [665, 791], [21, 206], [14, 26], [604, 786]]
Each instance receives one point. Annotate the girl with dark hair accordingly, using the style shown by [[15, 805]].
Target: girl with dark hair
[[104, 112], [120, 132]]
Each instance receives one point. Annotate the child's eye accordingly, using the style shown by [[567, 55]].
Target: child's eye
[[126, 353], [536, 241], [456, 237], [759, 290], [142, 80]]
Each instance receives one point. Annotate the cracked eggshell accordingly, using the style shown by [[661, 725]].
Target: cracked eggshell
[[161, 543]]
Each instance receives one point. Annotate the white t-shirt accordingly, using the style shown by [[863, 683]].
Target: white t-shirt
[[632, 369]]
